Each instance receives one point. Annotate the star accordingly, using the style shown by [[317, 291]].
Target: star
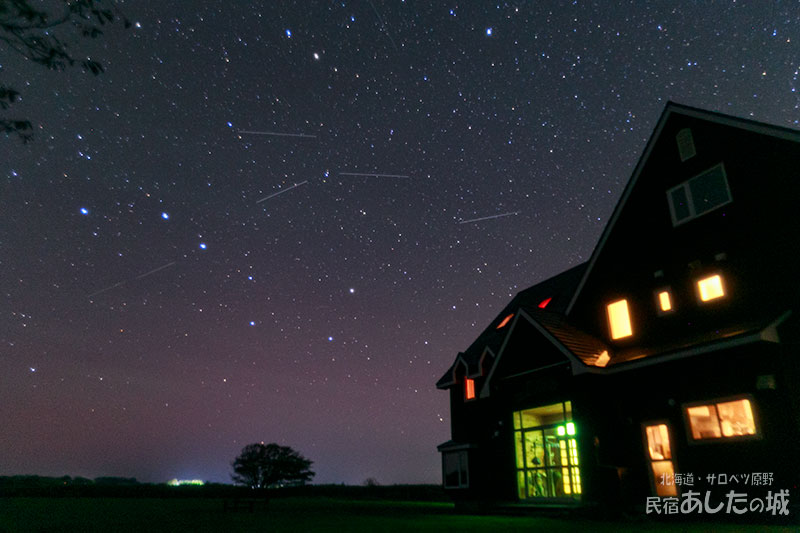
[[202, 246], [488, 32], [84, 211], [165, 215]]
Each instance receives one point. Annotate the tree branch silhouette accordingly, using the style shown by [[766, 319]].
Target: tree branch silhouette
[[31, 33]]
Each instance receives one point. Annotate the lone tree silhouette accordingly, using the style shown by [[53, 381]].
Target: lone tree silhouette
[[260, 466], [30, 30]]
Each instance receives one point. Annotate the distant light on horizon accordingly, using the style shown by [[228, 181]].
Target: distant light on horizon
[[179, 482]]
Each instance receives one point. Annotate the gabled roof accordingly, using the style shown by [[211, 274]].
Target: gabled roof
[[671, 109], [533, 308], [554, 293], [577, 347]]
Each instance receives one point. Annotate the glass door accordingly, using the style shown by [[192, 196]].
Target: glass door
[[546, 453]]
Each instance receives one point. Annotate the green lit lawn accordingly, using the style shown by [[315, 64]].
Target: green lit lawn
[[290, 514]]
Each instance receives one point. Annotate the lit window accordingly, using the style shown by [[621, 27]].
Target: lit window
[[602, 359], [505, 321], [710, 288], [721, 420], [469, 389], [547, 453], [660, 458], [664, 301], [619, 320], [544, 303]]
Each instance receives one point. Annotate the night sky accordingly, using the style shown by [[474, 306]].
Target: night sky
[[258, 223]]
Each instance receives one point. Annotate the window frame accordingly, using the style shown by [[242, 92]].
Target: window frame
[[467, 397], [657, 294], [463, 469], [722, 438], [708, 276], [611, 327], [690, 204], [570, 448], [650, 460]]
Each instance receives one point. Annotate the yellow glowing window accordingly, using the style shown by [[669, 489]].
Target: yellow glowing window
[[710, 288], [721, 420], [619, 319], [469, 389], [505, 321], [664, 478], [664, 301], [660, 458]]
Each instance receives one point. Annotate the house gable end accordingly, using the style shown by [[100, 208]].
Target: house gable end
[[738, 180]]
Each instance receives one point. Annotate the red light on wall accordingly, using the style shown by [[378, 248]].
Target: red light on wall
[[469, 389], [505, 321], [544, 303]]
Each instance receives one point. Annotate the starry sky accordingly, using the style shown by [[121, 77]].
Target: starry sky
[[259, 223]]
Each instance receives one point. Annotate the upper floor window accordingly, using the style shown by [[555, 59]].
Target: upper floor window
[[685, 142], [619, 319], [469, 389], [699, 195], [721, 419], [710, 288], [664, 301]]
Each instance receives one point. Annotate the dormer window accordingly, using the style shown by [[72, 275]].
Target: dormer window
[[710, 288], [619, 319], [505, 321], [469, 389]]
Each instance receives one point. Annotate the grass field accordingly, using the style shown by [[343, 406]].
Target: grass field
[[144, 515]]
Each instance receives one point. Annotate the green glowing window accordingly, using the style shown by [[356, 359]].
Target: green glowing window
[[546, 452]]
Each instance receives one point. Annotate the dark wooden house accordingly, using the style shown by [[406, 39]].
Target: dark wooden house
[[666, 362]]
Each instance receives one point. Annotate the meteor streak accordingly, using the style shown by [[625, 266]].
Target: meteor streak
[[281, 191], [95, 293], [155, 270], [278, 134], [487, 218], [372, 175], [121, 283]]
